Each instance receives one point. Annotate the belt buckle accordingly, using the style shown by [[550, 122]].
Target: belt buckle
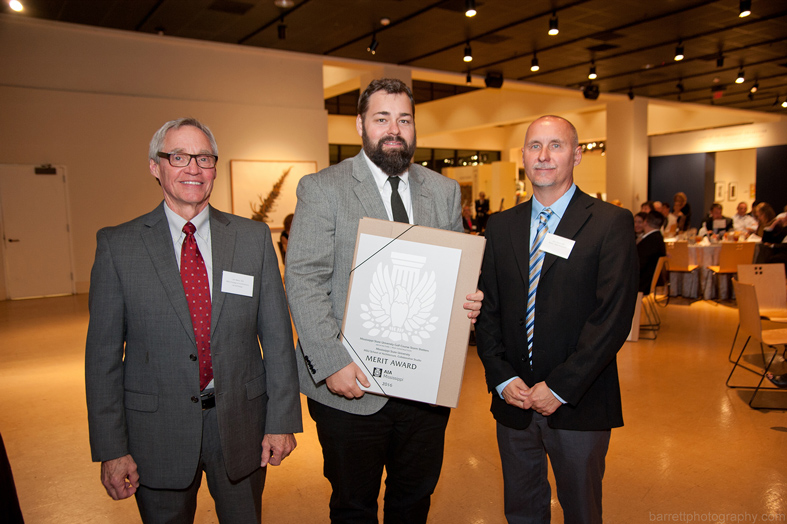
[[208, 401]]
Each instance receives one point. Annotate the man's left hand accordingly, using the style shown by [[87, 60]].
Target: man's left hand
[[543, 401], [275, 448], [474, 306]]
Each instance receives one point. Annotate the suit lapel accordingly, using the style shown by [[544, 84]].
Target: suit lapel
[[521, 228], [366, 189], [421, 199], [577, 213], [158, 243], [222, 239]]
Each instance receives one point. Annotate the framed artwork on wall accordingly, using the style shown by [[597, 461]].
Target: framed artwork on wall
[[732, 191], [264, 190], [721, 191]]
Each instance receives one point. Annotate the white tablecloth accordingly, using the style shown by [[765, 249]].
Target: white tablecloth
[[701, 280]]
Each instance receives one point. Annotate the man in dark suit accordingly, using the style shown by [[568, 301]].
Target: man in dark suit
[[180, 301], [560, 285], [649, 249], [717, 223], [363, 434]]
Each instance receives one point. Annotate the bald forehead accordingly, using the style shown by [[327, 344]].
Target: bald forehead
[[554, 128]]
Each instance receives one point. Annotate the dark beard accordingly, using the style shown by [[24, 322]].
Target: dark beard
[[392, 163]]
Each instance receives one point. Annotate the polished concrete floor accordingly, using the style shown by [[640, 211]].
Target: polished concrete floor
[[691, 450]]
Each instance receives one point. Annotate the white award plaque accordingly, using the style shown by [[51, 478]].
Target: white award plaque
[[402, 300]]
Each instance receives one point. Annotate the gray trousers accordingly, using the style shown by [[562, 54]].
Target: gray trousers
[[236, 502], [577, 459]]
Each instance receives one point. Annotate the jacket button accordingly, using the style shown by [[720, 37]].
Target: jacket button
[[194, 399], [193, 357]]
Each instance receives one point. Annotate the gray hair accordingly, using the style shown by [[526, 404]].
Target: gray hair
[[157, 142]]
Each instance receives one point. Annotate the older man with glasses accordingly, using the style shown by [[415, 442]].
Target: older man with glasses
[[181, 299]]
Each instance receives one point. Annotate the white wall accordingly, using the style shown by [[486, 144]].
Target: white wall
[[90, 99], [738, 167]]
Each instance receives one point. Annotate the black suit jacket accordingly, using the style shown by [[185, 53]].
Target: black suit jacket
[[649, 250], [708, 223], [584, 307]]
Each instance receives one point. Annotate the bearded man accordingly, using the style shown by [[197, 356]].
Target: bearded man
[[362, 434]]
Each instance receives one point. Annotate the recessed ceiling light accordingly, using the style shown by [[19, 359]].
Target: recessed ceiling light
[[385, 21], [284, 4], [16, 5], [745, 8]]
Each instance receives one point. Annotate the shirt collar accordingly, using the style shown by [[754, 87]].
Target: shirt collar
[[558, 208], [381, 178], [176, 223]]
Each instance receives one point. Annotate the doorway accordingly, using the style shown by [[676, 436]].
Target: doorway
[[36, 234]]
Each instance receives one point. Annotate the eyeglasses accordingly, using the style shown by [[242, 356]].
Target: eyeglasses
[[184, 159]]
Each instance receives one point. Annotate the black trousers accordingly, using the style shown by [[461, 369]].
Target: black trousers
[[406, 438]]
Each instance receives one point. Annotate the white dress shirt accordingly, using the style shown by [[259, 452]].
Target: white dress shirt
[[381, 179]]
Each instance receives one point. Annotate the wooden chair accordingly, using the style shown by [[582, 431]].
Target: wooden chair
[[751, 325], [732, 255], [678, 263], [771, 285], [651, 301]]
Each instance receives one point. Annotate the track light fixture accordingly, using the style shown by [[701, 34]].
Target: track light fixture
[[282, 28], [679, 52], [741, 77], [553, 30], [755, 87], [468, 79], [631, 93], [468, 53], [470, 8], [16, 5], [534, 63], [720, 61], [784, 104], [679, 86], [745, 8], [373, 44], [592, 74]]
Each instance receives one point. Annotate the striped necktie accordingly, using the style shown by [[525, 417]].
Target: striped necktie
[[536, 261]]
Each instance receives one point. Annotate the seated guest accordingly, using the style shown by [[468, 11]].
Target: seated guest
[[766, 217], [716, 222], [776, 230], [467, 219], [639, 225], [646, 207], [670, 227], [682, 210], [650, 248], [744, 222]]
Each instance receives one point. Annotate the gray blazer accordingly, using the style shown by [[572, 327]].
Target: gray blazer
[[141, 402], [319, 260]]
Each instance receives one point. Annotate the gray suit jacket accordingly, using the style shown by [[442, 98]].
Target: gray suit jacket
[[141, 376], [319, 260]]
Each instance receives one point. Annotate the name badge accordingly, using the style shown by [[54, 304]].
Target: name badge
[[237, 283], [557, 245]]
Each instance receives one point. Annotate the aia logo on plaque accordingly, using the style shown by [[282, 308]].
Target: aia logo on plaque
[[401, 300], [378, 372]]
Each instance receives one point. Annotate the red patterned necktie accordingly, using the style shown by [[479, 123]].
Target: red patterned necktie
[[195, 284]]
